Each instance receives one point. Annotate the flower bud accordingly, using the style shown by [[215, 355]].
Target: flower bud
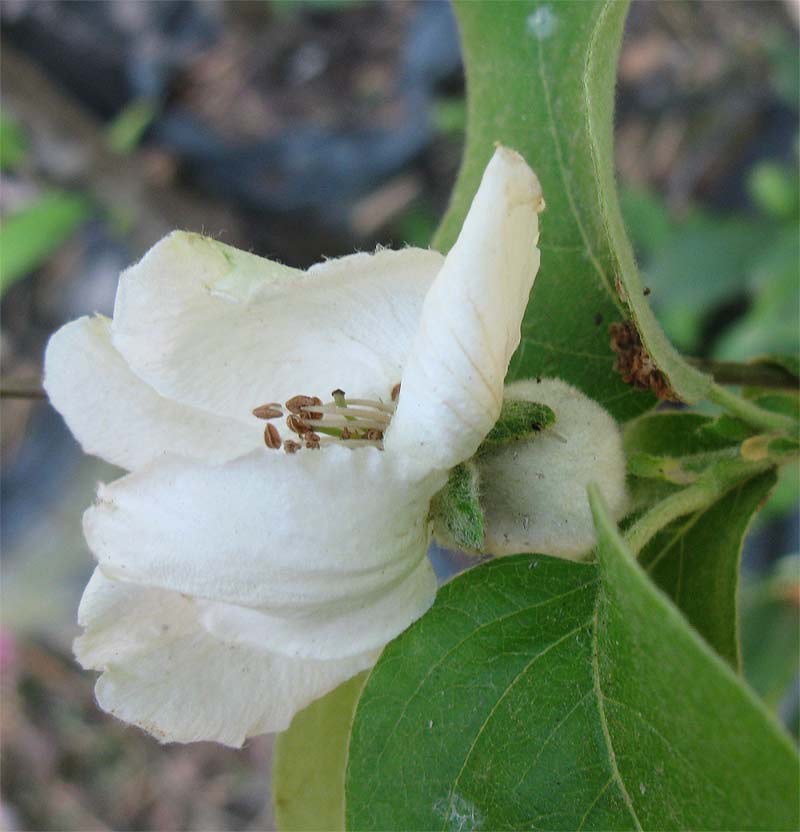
[[533, 491]]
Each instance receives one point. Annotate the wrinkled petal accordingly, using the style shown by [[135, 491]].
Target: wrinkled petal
[[534, 493], [330, 543], [117, 416], [452, 387], [163, 671], [226, 331]]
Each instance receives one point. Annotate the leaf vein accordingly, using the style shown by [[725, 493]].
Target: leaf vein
[[612, 756]]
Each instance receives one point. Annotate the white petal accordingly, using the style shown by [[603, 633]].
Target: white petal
[[165, 673], [452, 387], [332, 542], [534, 493], [327, 630], [226, 331], [116, 416]]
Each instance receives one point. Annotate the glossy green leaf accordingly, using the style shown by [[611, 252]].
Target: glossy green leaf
[[29, 237], [539, 693], [693, 747], [674, 434], [309, 763], [695, 560], [540, 79]]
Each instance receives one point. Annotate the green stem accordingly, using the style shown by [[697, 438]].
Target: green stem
[[752, 375], [751, 413], [697, 496]]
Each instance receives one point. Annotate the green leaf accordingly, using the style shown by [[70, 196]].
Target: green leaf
[[670, 706], [309, 763], [695, 560], [539, 693], [29, 237], [540, 79], [674, 434]]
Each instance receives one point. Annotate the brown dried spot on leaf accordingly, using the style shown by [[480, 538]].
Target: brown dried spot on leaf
[[634, 363]]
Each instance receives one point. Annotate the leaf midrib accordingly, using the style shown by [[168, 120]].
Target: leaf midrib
[[612, 756]]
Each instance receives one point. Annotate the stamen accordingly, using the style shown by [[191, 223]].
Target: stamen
[[297, 403], [382, 406], [351, 413], [297, 425], [272, 439], [359, 422], [271, 410]]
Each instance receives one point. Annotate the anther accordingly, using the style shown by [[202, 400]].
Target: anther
[[396, 392], [297, 403], [291, 447], [375, 435], [272, 439], [297, 425], [272, 410], [339, 397], [312, 441]]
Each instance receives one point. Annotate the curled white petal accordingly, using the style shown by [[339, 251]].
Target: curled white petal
[[452, 386], [534, 493], [117, 416], [163, 671], [332, 543], [220, 329]]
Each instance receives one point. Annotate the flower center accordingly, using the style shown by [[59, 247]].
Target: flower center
[[314, 423]]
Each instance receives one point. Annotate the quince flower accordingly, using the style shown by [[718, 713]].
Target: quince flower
[[236, 583]]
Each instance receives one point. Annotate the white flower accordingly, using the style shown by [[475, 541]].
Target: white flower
[[533, 493], [236, 583]]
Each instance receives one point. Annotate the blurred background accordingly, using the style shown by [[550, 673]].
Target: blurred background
[[302, 129]]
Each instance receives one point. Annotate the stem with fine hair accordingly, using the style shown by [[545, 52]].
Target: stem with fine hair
[[752, 413], [701, 494]]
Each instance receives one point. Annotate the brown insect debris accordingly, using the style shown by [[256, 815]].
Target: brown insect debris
[[634, 363]]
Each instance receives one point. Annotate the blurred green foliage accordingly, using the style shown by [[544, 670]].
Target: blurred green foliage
[[697, 266], [29, 236], [126, 131], [13, 143], [702, 267], [770, 609]]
